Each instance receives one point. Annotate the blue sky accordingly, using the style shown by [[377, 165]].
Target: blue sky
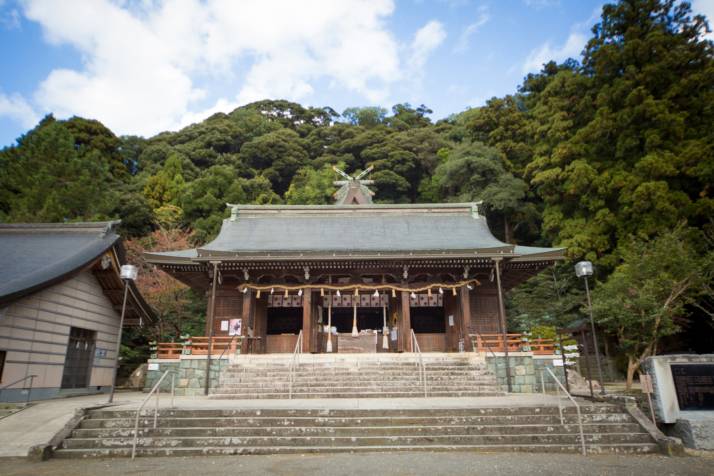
[[143, 66]]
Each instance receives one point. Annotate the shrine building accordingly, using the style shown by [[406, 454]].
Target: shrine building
[[355, 276]]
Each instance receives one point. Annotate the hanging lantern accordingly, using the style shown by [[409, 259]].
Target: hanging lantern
[[428, 292], [413, 295], [272, 290], [338, 293], [453, 291], [356, 292], [394, 293], [322, 292], [300, 292], [376, 293], [257, 294], [441, 291], [286, 292]]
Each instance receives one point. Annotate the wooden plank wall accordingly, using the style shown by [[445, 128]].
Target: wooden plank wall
[[34, 331], [229, 305], [484, 309], [432, 342]]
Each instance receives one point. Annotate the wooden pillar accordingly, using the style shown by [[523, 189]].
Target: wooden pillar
[[247, 319], [308, 326], [465, 324], [451, 308], [212, 311], [261, 324], [405, 325], [502, 320]]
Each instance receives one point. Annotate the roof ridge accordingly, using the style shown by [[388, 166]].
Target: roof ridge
[[74, 227]]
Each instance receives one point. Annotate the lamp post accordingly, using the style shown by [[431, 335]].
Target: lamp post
[[128, 273], [583, 269]]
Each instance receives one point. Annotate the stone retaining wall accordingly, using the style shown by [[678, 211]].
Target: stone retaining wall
[[526, 371], [191, 374]]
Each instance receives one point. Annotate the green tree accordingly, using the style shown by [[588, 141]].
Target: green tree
[[475, 172], [278, 155], [652, 289], [312, 187], [46, 178], [625, 143], [365, 116]]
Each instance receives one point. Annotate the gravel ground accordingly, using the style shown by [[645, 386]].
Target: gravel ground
[[372, 464]]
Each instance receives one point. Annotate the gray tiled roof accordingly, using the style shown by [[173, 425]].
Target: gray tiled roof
[[31, 255], [352, 230]]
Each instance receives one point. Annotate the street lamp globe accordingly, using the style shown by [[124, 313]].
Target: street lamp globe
[[583, 268], [129, 271]]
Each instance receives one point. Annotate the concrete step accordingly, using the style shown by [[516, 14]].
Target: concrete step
[[358, 421], [185, 432], [353, 386], [357, 431], [266, 450], [585, 409], [362, 394], [327, 441]]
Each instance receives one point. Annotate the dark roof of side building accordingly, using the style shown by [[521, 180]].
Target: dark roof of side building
[[34, 256], [354, 231]]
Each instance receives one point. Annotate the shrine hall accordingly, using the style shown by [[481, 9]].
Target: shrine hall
[[355, 276]]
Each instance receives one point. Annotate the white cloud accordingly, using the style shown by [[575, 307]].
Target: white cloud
[[706, 8], [143, 61], [546, 52], [538, 4], [16, 108], [482, 17], [426, 40]]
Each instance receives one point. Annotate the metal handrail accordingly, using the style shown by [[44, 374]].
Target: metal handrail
[[294, 362], [417, 350], [155, 388], [560, 387], [228, 345], [29, 391]]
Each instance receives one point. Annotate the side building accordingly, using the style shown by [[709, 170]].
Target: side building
[[60, 303]]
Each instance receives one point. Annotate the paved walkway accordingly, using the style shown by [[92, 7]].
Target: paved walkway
[[369, 464], [39, 423]]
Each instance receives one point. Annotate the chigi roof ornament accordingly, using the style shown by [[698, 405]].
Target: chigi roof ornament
[[353, 190], [475, 209], [234, 211]]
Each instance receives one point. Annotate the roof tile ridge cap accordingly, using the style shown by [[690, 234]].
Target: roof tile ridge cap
[[99, 227]]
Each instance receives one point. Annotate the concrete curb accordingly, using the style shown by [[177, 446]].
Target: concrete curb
[[45, 451]]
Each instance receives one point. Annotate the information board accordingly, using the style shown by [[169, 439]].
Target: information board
[[694, 384]]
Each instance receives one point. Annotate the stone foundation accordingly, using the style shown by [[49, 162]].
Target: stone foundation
[[190, 376], [526, 370]]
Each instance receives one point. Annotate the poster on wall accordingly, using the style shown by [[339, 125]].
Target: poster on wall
[[235, 329]]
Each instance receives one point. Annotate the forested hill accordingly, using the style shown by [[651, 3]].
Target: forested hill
[[586, 154]]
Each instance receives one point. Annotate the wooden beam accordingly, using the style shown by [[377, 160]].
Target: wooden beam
[[465, 327], [260, 316], [307, 322], [247, 310], [405, 325], [452, 308]]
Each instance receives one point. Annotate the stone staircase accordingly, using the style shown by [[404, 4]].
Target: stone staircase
[[108, 433], [361, 376]]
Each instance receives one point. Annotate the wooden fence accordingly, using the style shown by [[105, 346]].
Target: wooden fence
[[515, 343]]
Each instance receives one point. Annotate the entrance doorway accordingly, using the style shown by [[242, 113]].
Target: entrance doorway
[[78, 362], [283, 326], [368, 318]]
